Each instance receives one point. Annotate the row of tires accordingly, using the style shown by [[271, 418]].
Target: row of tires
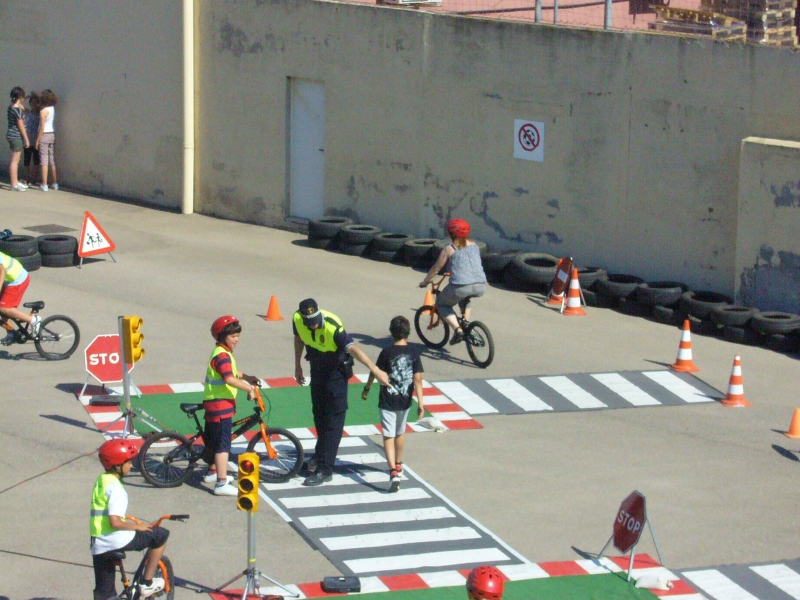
[[54, 250]]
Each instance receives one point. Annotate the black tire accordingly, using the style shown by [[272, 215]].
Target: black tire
[[740, 335], [19, 245], [778, 342], [617, 285], [58, 338], [289, 458], [433, 331], [57, 244], [497, 261], [382, 255], [732, 315], [416, 251], [59, 260], [589, 296], [358, 234], [327, 227], [390, 241], [534, 267], [702, 326], [165, 571], [513, 283], [352, 249], [665, 315], [699, 304], [632, 308], [588, 276], [772, 322], [660, 293], [321, 243], [166, 459], [32, 262], [480, 344]]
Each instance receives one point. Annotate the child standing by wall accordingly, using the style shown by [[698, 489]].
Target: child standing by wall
[[16, 137], [46, 140], [404, 367], [32, 129]]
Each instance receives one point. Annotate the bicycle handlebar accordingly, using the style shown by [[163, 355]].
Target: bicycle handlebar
[[181, 518]]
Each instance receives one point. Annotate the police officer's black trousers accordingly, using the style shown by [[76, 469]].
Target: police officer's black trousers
[[329, 403]]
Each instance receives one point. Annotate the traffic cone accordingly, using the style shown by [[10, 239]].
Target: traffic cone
[[273, 312], [735, 395], [560, 281], [684, 362], [794, 426], [429, 301], [574, 297]]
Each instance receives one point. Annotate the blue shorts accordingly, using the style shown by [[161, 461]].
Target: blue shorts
[[217, 437]]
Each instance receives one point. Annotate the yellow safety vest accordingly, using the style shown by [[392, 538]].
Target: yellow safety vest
[[13, 268], [215, 386], [99, 521], [320, 339]]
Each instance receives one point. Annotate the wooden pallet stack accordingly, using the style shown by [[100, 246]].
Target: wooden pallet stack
[[699, 22], [768, 21]]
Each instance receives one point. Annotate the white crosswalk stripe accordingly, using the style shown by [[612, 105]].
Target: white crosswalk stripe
[[717, 585], [376, 518], [465, 398], [425, 560], [678, 386], [572, 392], [782, 577], [617, 383], [519, 395], [396, 538]]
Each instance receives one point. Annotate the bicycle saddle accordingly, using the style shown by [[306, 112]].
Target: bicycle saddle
[[38, 305], [117, 555], [190, 408]]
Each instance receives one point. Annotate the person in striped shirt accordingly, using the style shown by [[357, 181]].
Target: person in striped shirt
[[16, 136]]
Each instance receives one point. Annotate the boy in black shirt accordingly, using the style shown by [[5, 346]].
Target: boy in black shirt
[[404, 367]]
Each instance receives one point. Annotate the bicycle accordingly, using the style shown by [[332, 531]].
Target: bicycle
[[434, 331], [167, 458], [57, 339], [130, 587]]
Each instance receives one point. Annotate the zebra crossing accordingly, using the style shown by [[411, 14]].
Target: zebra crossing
[[364, 530], [577, 392], [775, 581]]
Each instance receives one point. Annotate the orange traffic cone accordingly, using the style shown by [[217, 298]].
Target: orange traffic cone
[[794, 426], [574, 297], [429, 301], [273, 312], [560, 281], [684, 362], [735, 395]]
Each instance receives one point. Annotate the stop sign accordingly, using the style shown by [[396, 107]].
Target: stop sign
[[629, 522], [103, 361]]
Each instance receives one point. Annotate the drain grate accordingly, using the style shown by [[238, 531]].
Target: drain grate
[[51, 228]]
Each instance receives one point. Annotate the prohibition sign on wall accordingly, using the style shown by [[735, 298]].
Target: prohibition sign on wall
[[529, 140]]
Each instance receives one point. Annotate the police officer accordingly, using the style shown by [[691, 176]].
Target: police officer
[[330, 351]]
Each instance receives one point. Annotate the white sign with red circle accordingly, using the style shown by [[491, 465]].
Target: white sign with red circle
[[529, 140], [103, 361]]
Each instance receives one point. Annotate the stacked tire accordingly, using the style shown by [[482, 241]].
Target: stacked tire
[[25, 249], [617, 290], [58, 250], [323, 232], [418, 252], [495, 263], [697, 305], [661, 299], [388, 246], [530, 272], [588, 278], [353, 239]]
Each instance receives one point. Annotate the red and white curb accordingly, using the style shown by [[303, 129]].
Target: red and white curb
[[643, 565], [102, 404]]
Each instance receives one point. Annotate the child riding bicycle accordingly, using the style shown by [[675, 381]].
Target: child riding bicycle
[[467, 278], [110, 531], [15, 280]]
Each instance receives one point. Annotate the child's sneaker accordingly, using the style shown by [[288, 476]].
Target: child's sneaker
[[145, 591], [54, 186], [394, 482], [19, 188], [212, 477], [43, 188], [225, 489], [35, 324]]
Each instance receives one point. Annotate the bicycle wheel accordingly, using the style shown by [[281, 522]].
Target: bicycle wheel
[[58, 338], [166, 459], [288, 461], [164, 571], [431, 328], [480, 344]]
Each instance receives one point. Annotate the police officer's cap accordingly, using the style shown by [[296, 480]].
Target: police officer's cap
[[310, 313]]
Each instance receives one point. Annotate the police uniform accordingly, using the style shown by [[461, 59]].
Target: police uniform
[[331, 367]]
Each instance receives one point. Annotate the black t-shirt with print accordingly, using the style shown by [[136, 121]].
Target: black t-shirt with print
[[401, 363]]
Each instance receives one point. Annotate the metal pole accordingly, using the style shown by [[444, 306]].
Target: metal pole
[[538, 18], [126, 383], [650, 525], [607, 24], [251, 551], [555, 11], [630, 565], [603, 551]]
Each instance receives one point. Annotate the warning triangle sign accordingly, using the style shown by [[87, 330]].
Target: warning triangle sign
[[93, 239]]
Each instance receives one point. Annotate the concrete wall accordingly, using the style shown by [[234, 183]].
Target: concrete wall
[[116, 69], [768, 232]]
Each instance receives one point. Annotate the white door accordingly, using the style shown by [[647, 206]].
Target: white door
[[306, 148]]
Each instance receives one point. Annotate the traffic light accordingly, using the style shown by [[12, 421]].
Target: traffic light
[[132, 339], [248, 481]]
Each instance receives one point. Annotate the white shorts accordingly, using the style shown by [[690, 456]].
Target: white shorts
[[393, 422]]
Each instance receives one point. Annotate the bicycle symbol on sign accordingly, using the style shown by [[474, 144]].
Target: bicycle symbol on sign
[[529, 137]]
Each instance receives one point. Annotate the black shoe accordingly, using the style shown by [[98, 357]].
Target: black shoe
[[458, 336], [310, 466], [317, 478]]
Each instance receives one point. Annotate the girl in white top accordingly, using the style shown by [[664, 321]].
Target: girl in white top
[[45, 141]]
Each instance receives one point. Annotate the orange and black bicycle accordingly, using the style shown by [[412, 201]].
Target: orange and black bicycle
[[168, 458]]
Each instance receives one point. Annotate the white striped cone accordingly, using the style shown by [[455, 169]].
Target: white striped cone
[[684, 362], [574, 297], [735, 397]]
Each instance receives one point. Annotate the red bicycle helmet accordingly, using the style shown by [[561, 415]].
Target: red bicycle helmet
[[218, 325], [485, 583], [116, 452], [458, 227]]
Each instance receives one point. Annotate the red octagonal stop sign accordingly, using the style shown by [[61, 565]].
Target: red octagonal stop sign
[[103, 360], [629, 522]]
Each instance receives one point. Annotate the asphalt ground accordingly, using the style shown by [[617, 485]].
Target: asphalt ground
[[718, 481]]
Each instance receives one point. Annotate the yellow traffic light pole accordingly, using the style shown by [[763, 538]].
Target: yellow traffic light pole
[[248, 484]]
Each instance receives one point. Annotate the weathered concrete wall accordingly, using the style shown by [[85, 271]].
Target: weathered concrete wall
[[116, 69], [642, 131], [768, 232]]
